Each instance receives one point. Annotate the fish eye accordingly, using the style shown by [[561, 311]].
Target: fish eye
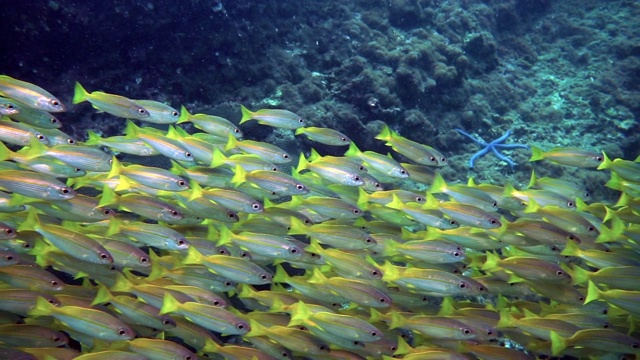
[[175, 213], [51, 301], [482, 288], [54, 283], [419, 199], [344, 139], [453, 222], [285, 156], [322, 347], [106, 212], [142, 111], [255, 206], [55, 103], [433, 159], [300, 187], [174, 113], [274, 168], [361, 168], [228, 283], [188, 154], [356, 178], [8, 231], [232, 215], [9, 106], [65, 191], [71, 141], [571, 204], [293, 250], [456, 254], [40, 137], [368, 240], [591, 229], [307, 221], [356, 211], [216, 303], [240, 326], [599, 158], [181, 242], [301, 120], [182, 183], [122, 332], [382, 300], [443, 159], [144, 259], [493, 221], [375, 273], [462, 285], [264, 277], [559, 273], [466, 331], [53, 120], [237, 131], [104, 256], [9, 258]]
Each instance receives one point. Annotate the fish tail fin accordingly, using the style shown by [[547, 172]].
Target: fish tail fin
[[396, 320], [303, 164], [532, 180], [5, 153], [94, 139], [537, 154], [491, 262], [256, 329], [217, 159], [239, 176], [558, 343], [193, 256], [169, 304], [579, 275], [232, 143], [606, 163], [224, 236], [42, 308], [438, 185], [79, 94], [353, 150], [297, 227], [103, 296], [390, 272], [246, 114], [184, 115], [385, 134], [363, 199], [300, 313], [593, 293], [281, 275]]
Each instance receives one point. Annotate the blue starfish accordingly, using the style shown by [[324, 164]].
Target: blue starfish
[[495, 146]]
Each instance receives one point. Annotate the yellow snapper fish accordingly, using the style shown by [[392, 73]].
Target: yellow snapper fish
[[278, 118], [29, 94], [113, 104]]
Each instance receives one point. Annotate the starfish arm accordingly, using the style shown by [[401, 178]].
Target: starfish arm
[[502, 138], [477, 155], [502, 157], [511, 146], [476, 140]]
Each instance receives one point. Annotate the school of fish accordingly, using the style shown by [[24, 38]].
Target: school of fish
[[228, 254]]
